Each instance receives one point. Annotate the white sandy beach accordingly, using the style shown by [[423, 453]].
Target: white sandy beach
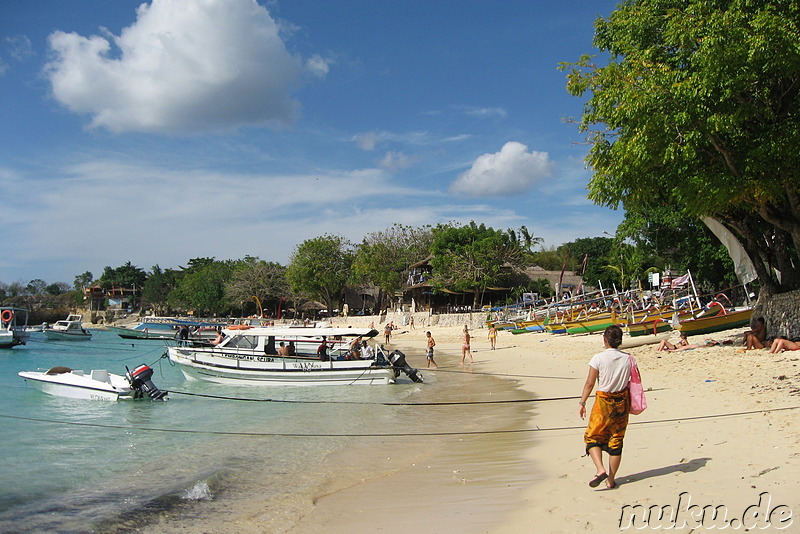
[[716, 434]]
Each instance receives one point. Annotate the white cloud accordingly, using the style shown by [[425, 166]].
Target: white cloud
[[397, 160], [19, 47], [184, 66], [512, 170], [487, 112]]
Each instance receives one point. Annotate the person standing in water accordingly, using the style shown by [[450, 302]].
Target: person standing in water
[[429, 353]]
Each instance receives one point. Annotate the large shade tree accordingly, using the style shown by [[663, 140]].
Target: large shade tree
[[384, 257], [320, 268], [258, 282], [473, 258], [698, 108]]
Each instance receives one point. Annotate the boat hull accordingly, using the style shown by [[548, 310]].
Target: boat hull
[[716, 323], [79, 386], [55, 335], [231, 368]]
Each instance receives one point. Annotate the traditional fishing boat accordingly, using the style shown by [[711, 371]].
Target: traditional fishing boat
[[708, 324], [14, 327], [98, 384], [250, 356], [69, 329], [657, 323]]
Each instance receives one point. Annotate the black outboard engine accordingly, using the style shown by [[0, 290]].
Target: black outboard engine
[[141, 383], [398, 361]]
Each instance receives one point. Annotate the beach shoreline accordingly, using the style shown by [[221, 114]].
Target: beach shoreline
[[719, 432]]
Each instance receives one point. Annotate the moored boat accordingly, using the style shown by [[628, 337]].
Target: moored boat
[[14, 330], [251, 357], [69, 329], [162, 328], [724, 320], [98, 384]]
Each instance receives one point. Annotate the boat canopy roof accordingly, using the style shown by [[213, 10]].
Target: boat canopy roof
[[302, 331]]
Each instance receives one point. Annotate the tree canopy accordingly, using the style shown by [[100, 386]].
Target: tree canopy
[[697, 109], [473, 257], [320, 268]]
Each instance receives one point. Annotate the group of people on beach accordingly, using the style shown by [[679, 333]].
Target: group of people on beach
[[755, 338]]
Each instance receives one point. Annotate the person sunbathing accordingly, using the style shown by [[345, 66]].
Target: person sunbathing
[[690, 346], [666, 345], [780, 344]]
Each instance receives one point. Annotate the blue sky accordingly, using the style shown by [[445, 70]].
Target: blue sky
[[163, 131]]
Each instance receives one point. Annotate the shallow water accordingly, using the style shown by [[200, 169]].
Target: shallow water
[[90, 466]]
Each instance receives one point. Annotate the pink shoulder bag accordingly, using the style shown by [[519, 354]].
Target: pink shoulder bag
[[635, 390]]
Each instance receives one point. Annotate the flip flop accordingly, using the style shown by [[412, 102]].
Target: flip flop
[[611, 486], [597, 480]]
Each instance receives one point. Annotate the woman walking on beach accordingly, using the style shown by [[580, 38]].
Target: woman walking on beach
[[465, 347], [611, 371]]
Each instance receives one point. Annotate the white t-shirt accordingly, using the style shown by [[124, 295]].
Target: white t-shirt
[[614, 367]]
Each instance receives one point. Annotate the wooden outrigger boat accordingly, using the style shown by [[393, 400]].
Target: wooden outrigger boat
[[657, 323], [724, 320]]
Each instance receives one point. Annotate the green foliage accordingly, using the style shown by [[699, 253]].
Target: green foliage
[[321, 267], [384, 257], [675, 242], [697, 109], [253, 277], [159, 284], [126, 276], [551, 259], [83, 280], [597, 251], [202, 287], [473, 257]]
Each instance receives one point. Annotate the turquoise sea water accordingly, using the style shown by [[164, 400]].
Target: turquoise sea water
[[91, 466]]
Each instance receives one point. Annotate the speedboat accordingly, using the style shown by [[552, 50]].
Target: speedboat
[[98, 384], [69, 329], [251, 356], [14, 330]]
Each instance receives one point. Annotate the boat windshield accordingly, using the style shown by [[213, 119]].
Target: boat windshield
[[243, 342]]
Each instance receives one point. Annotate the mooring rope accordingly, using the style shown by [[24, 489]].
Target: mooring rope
[[376, 435]]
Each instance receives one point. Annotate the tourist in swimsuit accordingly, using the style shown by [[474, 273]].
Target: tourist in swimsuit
[[493, 337], [465, 347], [429, 353], [780, 344], [666, 345]]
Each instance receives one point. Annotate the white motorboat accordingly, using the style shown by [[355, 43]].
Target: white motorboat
[[98, 384], [14, 327], [69, 329], [250, 356]]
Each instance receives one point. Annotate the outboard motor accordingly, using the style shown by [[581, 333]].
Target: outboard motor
[[141, 383], [398, 361]]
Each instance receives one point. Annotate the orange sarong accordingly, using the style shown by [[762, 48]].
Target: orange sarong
[[607, 422]]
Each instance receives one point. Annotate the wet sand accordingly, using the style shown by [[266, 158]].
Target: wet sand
[[720, 430], [716, 433]]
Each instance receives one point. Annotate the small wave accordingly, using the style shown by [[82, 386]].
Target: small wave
[[199, 492]]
